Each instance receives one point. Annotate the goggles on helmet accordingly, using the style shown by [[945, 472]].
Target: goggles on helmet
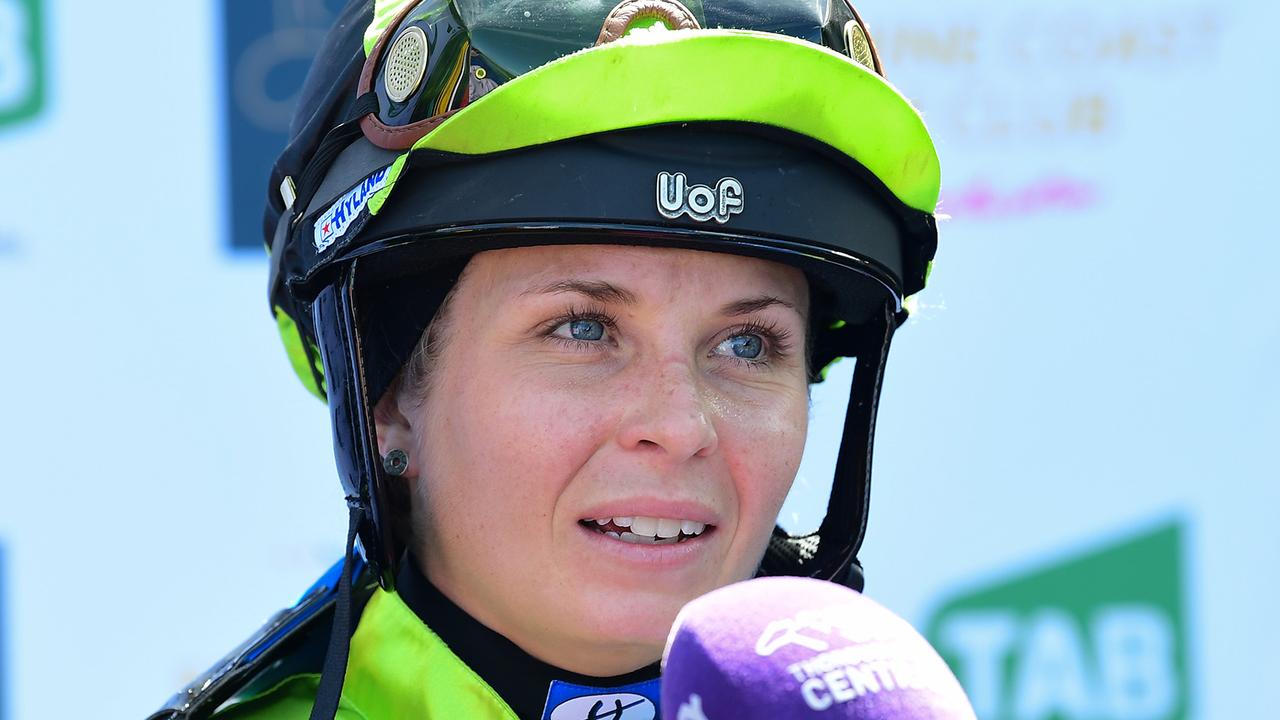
[[426, 60]]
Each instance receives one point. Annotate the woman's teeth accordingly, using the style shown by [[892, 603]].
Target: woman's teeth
[[647, 530]]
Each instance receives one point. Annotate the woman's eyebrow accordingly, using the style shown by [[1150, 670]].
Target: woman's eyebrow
[[607, 292], [597, 290], [755, 304]]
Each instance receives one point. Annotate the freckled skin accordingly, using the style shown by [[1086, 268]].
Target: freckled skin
[[523, 434]]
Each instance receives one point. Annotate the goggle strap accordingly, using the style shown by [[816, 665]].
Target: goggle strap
[[334, 142], [329, 691]]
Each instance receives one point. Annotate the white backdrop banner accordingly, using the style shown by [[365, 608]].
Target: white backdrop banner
[[1074, 491]]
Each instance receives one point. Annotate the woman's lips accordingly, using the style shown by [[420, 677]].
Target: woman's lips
[[647, 530], [635, 552], [647, 508]]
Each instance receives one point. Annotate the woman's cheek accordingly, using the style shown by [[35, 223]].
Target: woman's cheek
[[547, 431], [767, 457]]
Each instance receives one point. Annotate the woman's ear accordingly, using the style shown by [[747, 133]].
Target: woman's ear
[[395, 431]]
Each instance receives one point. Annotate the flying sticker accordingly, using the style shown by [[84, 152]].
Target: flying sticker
[[343, 213]]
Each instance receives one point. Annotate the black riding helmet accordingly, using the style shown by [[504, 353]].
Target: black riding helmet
[[429, 130]]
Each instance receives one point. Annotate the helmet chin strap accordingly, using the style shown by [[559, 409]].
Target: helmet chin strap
[[831, 552], [847, 510], [335, 312], [354, 435]]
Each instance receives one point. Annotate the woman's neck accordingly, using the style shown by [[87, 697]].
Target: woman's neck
[[524, 681]]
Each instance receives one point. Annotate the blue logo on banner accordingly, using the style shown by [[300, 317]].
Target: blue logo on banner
[[267, 49], [566, 701]]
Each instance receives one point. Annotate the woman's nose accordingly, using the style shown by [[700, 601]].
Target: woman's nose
[[669, 412]]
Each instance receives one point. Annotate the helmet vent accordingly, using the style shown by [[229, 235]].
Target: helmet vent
[[406, 62], [859, 45]]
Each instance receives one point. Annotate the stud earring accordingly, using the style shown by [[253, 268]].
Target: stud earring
[[395, 462]]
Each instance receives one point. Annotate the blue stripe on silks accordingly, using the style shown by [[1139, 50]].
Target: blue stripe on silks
[[327, 585]]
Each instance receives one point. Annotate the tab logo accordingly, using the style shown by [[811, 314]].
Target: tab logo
[[677, 197], [1096, 636], [22, 65], [341, 215]]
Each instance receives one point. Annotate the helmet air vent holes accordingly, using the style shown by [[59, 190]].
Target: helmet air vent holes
[[859, 47], [406, 63]]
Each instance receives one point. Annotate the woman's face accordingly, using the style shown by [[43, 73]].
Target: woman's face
[[587, 399]]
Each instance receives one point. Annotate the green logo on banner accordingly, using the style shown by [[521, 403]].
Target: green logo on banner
[[1098, 636], [21, 60]]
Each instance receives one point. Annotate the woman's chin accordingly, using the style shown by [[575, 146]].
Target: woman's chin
[[617, 634], [618, 656]]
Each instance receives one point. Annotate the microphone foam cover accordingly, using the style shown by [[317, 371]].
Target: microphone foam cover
[[789, 647]]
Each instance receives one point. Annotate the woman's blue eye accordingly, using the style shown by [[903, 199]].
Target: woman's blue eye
[[745, 347], [583, 329]]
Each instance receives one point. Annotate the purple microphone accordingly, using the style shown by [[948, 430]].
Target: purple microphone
[[785, 647]]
